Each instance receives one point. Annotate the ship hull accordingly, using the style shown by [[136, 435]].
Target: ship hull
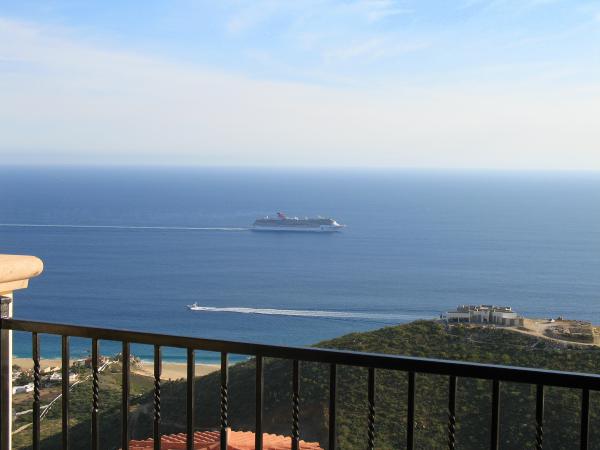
[[321, 229]]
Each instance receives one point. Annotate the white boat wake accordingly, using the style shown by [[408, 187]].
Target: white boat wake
[[121, 227], [309, 313]]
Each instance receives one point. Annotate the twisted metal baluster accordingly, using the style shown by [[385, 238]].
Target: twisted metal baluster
[[224, 400], [224, 407], [452, 413], [539, 416], [95, 396], [157, 373], [495, 429], [296, 406], [371, 432], [37, 380], [539, 436]]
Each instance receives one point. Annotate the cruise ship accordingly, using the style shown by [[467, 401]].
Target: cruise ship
[[284, 223]]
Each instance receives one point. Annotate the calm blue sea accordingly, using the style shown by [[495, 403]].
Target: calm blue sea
[[417, 243]]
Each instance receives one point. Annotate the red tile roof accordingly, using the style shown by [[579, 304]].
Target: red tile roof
[[210, 440]]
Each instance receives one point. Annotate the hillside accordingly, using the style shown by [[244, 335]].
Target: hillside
[[422, 338]]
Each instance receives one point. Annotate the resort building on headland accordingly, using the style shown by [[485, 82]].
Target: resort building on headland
[[485, 314]]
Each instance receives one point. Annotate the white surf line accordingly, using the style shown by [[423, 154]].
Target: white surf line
[[308, 313], [120, 227]]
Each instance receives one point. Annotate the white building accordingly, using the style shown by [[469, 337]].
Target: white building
[[499, 315], [22, 389], [506, 317], [57, 377]]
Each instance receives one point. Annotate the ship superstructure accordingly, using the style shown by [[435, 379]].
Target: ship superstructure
[[283, 223]]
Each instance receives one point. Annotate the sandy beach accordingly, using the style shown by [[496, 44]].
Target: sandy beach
[[170, 370], [174, 371]]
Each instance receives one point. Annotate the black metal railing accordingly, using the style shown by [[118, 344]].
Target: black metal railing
[[334, 358]]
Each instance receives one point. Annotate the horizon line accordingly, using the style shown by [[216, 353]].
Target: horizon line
[[299, 167]]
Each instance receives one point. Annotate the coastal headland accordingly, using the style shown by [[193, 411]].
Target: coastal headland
[[560, 331]]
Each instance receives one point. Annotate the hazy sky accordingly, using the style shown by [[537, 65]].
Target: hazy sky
[[415, 83]]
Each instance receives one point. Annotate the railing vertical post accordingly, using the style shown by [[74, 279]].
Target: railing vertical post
[[295, 405], [585, 419], [410, 415], [332, 406], [6, 375], [495, 433], [37, 381], [371, 419], [224, 400], [258, 434], [452, 413], [539, 417], [66, 364], [191, 366], [95, 396], [157, 374], [125, 396]]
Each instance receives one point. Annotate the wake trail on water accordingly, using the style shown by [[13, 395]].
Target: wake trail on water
[[122, 227], [311, 313]]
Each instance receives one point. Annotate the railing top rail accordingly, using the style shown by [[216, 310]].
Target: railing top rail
[[312, 354]]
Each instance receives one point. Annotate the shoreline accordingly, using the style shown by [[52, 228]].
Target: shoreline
[[175, 370], [170, 370]]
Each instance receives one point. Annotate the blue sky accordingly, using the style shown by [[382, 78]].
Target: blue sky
[[469, 83]]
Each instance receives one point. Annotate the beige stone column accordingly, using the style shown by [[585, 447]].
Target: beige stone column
[[15, 272]]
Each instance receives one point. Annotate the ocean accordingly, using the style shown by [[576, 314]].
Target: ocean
[[131, 247]]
